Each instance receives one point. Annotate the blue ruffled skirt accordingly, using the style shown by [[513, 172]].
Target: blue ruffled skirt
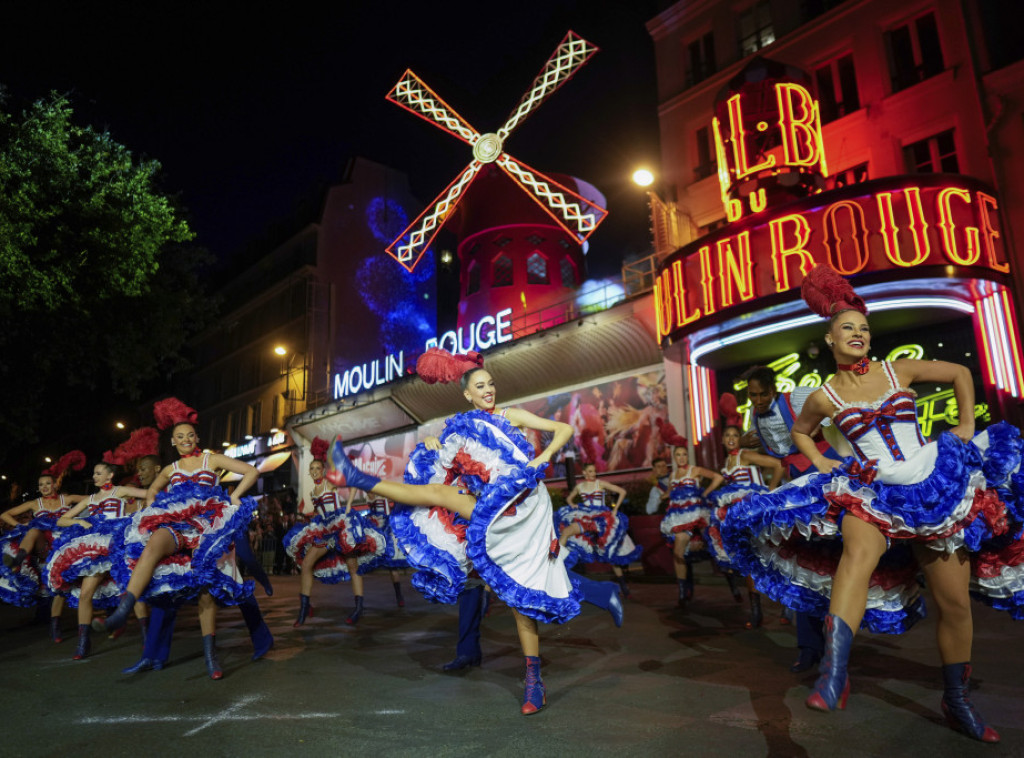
[[24, 586], [605, 537], [688, 511], [344, 537], [81, 552], [394, 557]]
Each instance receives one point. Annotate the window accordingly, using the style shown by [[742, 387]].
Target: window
[[537, 269], [755, 28], [568, 272], [810, 9], [256, 418], [850, 176], [914, 52], [705, 163], [473, 278], [837, 88], [932, 155], [700, 56], [502, 273]]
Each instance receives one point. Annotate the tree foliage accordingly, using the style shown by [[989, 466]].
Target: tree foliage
[[98, 290]]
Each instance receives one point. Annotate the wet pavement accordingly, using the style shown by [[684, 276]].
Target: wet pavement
[[669, 683]]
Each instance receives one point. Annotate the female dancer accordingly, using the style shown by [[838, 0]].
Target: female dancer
[[180, 547], [688, 511], [335, 545], [594, 532], [897, 493], [83, 551], [378, 514], [20, 581], [743, 474], [496, 518]]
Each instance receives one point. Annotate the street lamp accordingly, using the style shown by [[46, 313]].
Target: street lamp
[[642, 177], [119, 425]]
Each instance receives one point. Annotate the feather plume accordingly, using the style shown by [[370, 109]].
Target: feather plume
[[669, 435], [141, 442], [827, 293], [171, 411], [319, 448], [437, 365], [727, 405]]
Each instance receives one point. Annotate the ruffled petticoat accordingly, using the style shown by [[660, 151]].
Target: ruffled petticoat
[[207, 525], [344, 537], [510, 540], [688, 511], [24, 586], [81, 552], [721, 500], [394, 557], [604, 539], [945, 496]]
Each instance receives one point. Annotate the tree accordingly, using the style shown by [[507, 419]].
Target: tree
[[84, 231]]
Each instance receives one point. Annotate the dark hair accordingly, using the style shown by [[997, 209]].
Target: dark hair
[[111, 467], [48, 476], [154, 458], [464, 380], [732, 426], [761, 374], [174, 428], [659, 459]]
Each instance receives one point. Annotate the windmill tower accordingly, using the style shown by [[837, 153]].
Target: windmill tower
[[520, 232]]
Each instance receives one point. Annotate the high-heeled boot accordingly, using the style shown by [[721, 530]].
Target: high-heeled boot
[[756, 617], [119, 617], [734, 586], [243, 551], [623, 586], [14, 561], [398, 595], [55, 633], [341, 472], [210, 653], [353, 617], [682, 592], [688, 581], [156, 644], [833, 685], [957, 707], [304, 610], [84, 642], [144, 630], [259, 633], [534, 697], [604, 595]]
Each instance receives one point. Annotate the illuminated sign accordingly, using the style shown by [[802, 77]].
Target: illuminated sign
[[888, 224], [480, 335], [243, 450], [278, 438]]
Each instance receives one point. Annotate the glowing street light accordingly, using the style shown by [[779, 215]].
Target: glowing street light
[[281, 350], [642, 177], [119, 425], [48, 459]]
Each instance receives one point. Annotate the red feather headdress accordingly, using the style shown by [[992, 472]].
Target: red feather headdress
[[319, 448], [437, 365], [827, 293], [141, 442], [669, 435], [727, 406], [74, 460], [171, 411]]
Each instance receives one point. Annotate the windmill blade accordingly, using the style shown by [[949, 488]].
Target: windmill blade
[[416, 97], [573, 212], [572, 52], [414, 241]]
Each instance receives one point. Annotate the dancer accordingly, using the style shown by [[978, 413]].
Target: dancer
[[773, 414], [21, 581], [594, 532], [496, 518], [181, 546], [378, 514], [688, 511], [897, 500], [336, 545], [79, 565], [743, 474]]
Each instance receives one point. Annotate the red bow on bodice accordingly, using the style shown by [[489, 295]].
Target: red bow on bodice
[[864, 473], [886, 410]]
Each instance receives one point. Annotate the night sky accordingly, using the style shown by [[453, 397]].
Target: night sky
[[254, 108]]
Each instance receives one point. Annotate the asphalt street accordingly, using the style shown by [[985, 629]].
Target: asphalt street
[[671, 682]]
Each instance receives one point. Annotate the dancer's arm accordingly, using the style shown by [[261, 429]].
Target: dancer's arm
[[762, 461], [815, 409], [570, 499], [8, 516], [248, 472], [526, 420], [716, 479], [68, 519], [909, 371], [617, 490], [351, 497], [158, 485]]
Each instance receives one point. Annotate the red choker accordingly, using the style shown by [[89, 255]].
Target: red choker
[[860, 367], [318, 482], [194, 454], [107, 487]]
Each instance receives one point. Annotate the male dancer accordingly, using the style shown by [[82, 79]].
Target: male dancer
[[772, 417]]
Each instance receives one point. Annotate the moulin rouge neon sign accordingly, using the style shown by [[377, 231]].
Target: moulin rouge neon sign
[[895, 223]]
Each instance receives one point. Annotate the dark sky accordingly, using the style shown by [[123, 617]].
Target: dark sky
[[251, 107]]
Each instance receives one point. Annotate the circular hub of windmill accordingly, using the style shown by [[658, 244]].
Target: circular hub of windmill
[[487, 148]]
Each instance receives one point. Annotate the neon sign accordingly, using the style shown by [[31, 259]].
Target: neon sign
[[479, 335], [886, 224]]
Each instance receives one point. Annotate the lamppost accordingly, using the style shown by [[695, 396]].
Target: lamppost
[[282, 351]]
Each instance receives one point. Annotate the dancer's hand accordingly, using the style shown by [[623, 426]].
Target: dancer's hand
[[964, 432], [432, 443], [825, 465]]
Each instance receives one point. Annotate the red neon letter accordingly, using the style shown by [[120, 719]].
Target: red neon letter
[[990, 235], [735, 274], [799, 124], [918, 227], [739, 144], [682, 318], [949, 228], [707, 278], [781, 251], [858, 235]]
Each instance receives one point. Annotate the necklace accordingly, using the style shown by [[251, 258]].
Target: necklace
[[194, 454], [860, 367], [107, 487]]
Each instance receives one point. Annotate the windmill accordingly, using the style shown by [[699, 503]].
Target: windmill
[[576, 214]]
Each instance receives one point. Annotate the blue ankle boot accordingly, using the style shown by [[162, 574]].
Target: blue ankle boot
[[118, 618], [833, 685], [341, 472], [353, 618], [210, 653], [259, 632], [534, 697], [958, 709], [84, 642], [304, 610]]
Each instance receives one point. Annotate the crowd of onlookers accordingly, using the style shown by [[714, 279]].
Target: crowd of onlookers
[[277, 514]]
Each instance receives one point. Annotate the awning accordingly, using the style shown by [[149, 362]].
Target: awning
[[264, 465]]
